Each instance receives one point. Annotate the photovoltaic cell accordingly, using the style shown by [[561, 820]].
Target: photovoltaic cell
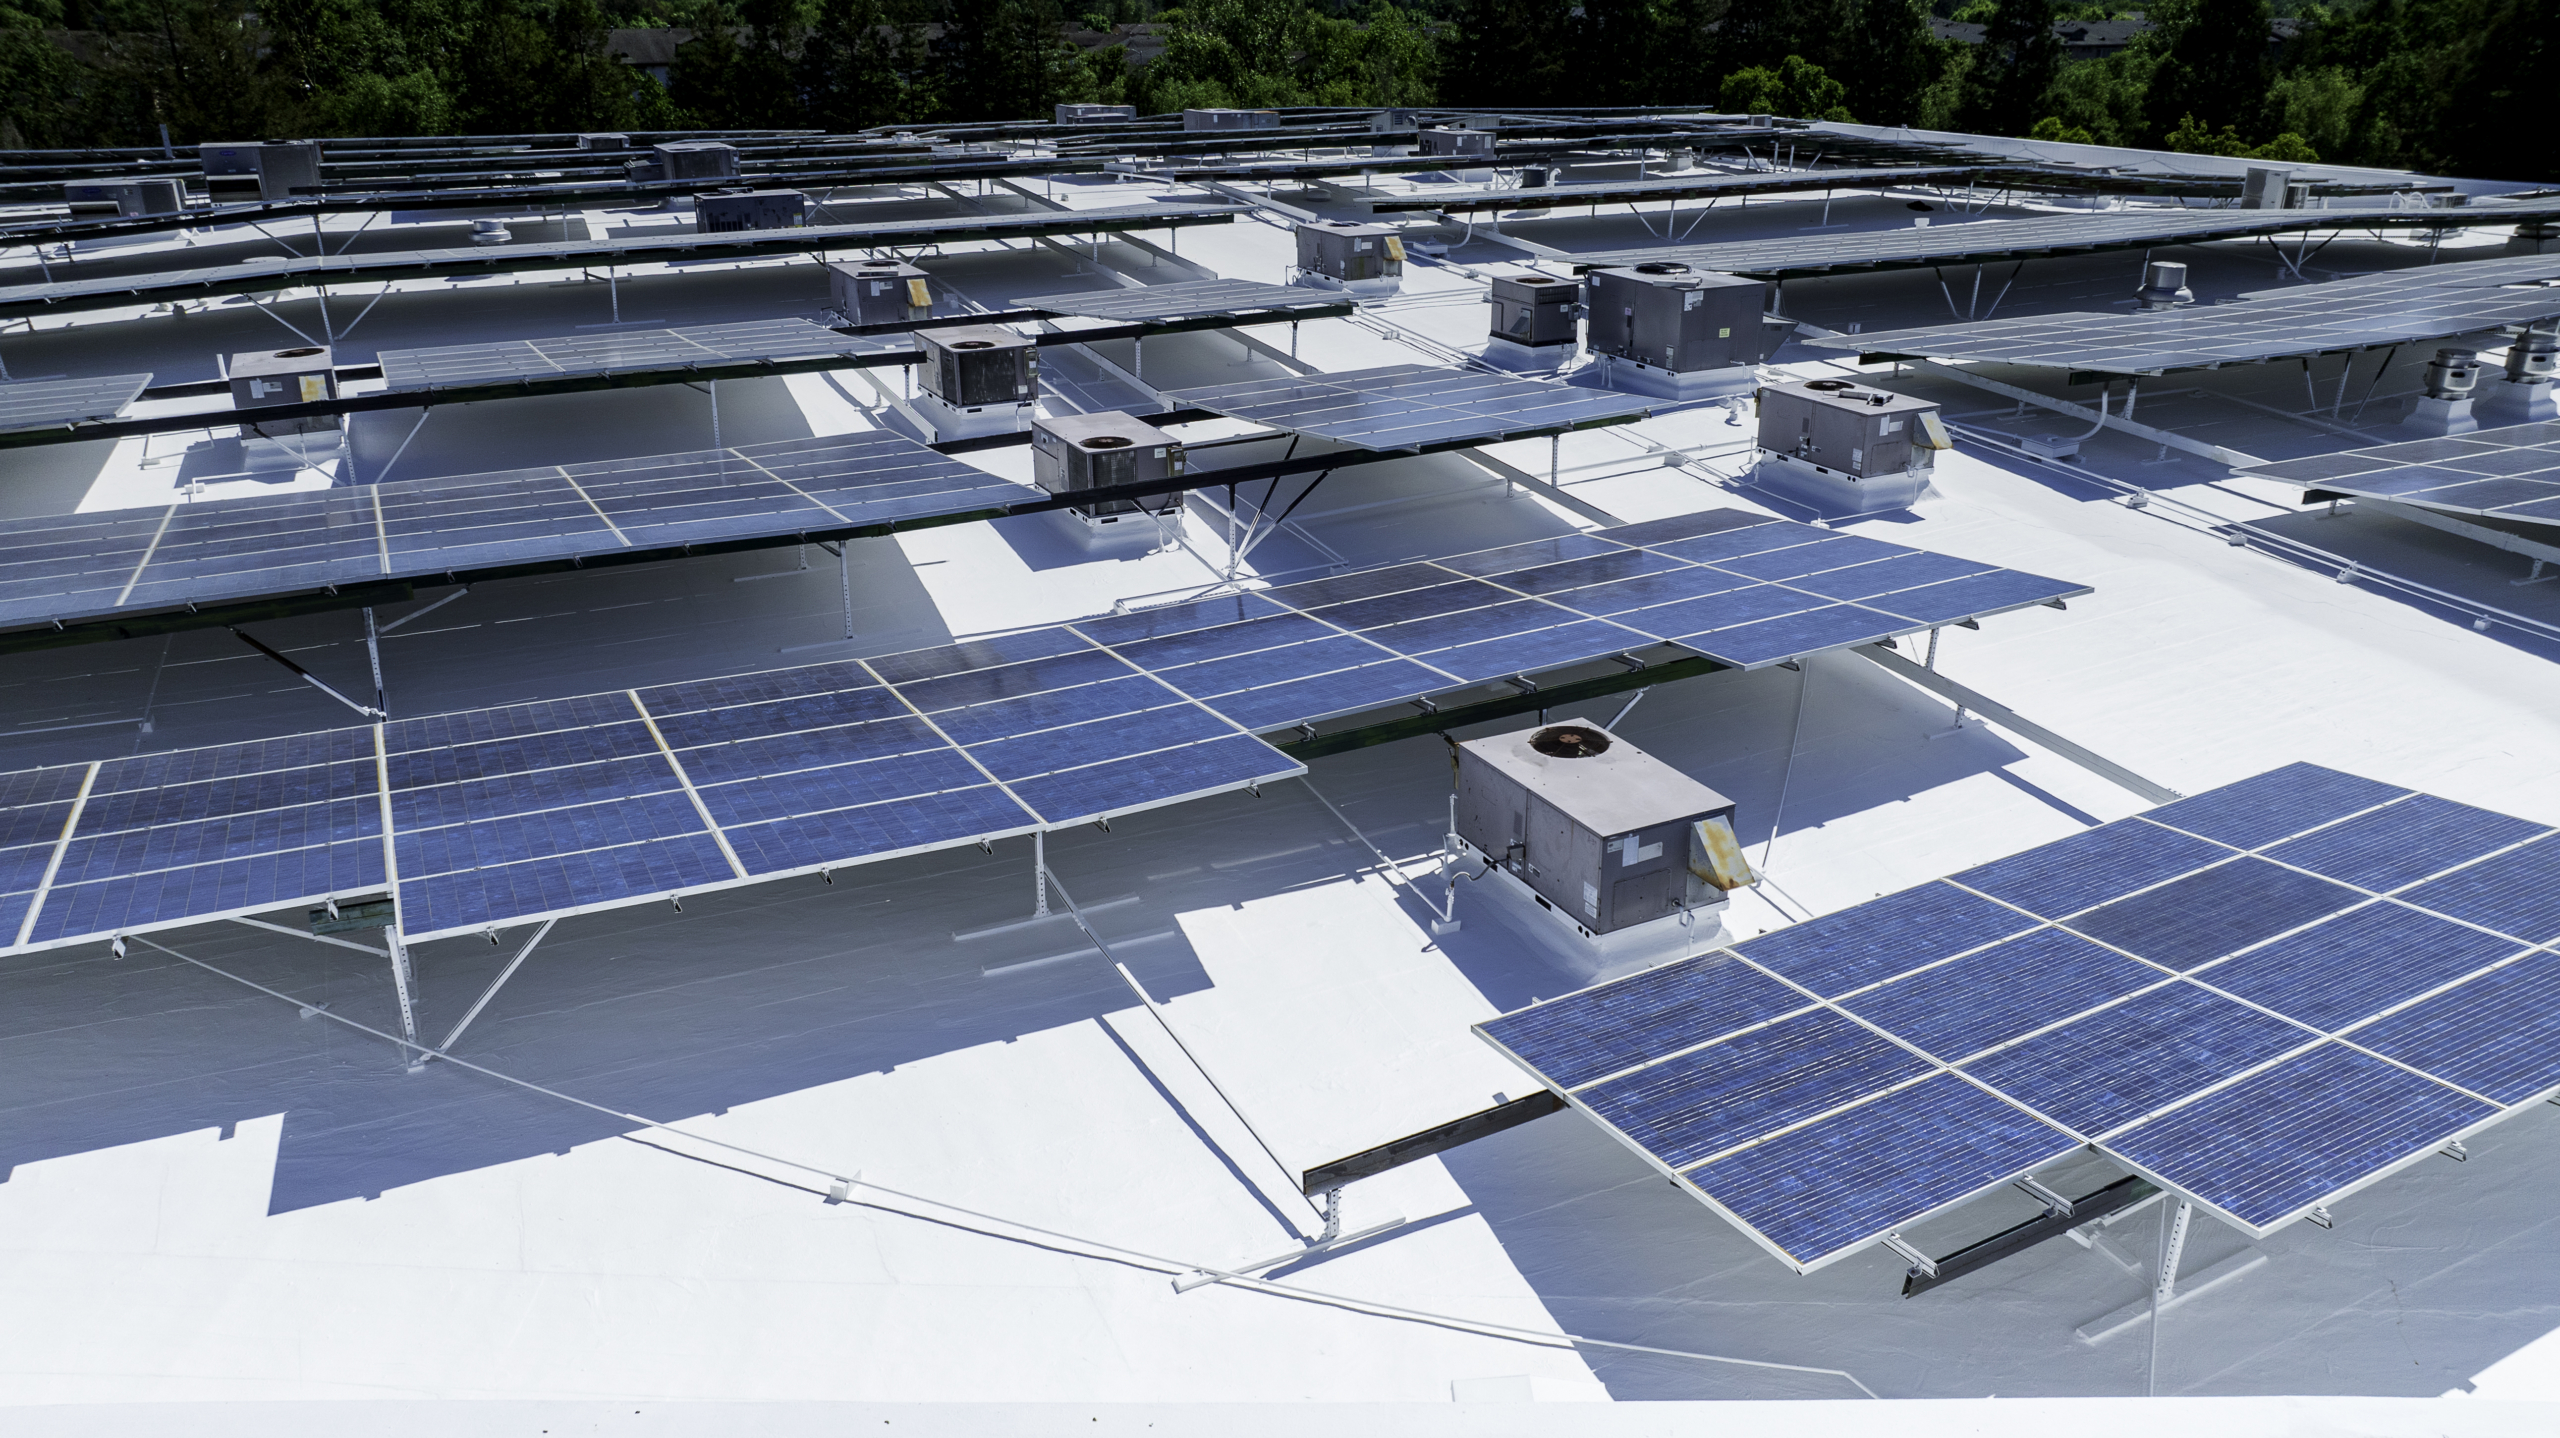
[[2510, 474], [622, 352], [2229, 1085], [46, 403], [1187, 299], [1412, 407]]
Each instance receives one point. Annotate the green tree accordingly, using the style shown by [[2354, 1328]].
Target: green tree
[[2215, 64], [1509, 52], [861, 65], [2016, 63], [1893, 63], [1798, 87]]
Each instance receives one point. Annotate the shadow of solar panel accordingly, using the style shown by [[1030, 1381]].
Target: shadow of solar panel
[[2072, 874], [843, 835], [1601, 1030], [2269, 1147], [2516, 893], [1701, 1103], [472, 898], [1967, 1005], [1836, 953], [2345, 970], [1813, 1192], [2188, 1040], [2403, 842], [2259, 810], [2497, 1035], [1139, 781], [2202, 917]]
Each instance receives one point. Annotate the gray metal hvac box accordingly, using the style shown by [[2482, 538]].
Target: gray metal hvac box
[[974, 365], [1537, 311], [696, 160], [1839, 425], [1603, 833], [148, 195], [1452, 140], [1095, 114], [1231, 119], [604, 142], [1073, 453], [1345, 250], [227, 159], [264, 379], [725, 210], [280, 165], [879, 292], [1394, 122], [1671, 317], [2269, 188]]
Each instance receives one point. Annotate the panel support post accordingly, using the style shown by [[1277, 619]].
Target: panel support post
[[1039, 874], [400, 983], [491, 992], [2164, 1284], [373, 651]]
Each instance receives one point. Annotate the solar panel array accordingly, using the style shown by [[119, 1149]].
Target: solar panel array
[[2369, 311], [2263, 997], [46, 403], [1412, 407], [1189, 299], [70, 566], [630, 247], [2042, 235], [2508, 474], [506, 815], [1706, 183], [667, 349]]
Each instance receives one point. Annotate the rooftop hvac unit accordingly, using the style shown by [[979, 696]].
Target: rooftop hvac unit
[[1077, 453], [723, 211], [277, 165], [1596, 842], [1366, 259], [2266, 188], [1845, 448], [2534, 237], [1394, 122], [2445, 408], [149, 195], [271, 379], [2524, 395], [227, 159], [1095, 114], [2164, 285], [1534, 321], [1231, 119], [604, 143], [696, 160], [1669, 330], [1452, 140], [976, 380], [879, 292]]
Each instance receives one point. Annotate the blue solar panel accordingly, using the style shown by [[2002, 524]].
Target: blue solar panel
[[1906, 570], [1125, 698], [517, 837], [1876, 940], [1660, 1011], [1527, 653], [1772, 640], [2072, 874], [1703, 1102], [2103, 1071], [1119, 785], [1326, 655], [2269, 1147], [2514, 893], [1966, 1005], [2220, 911], [1108, 737], [1224, 641], [1127, 629], [1994, 593], [842, 835], [1581, 572], [1342, 692], [2404, 842], [472, 898], [2277, 804], [2497, 1035], [1511, 558], [1823, 1189], [2352, 967], [1657, 532], [1797, 561]]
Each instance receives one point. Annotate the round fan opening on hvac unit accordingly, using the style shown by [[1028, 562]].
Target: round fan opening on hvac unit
[[1569, 741], [297, 354], [1662, 267], [973, 344], [1829, 386], [1107, 441]]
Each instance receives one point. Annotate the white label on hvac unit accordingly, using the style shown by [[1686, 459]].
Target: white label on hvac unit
[[1893, 426], [1857, 456], [1360, 247], [1591, 900], [1690, 300], [1629, 853]]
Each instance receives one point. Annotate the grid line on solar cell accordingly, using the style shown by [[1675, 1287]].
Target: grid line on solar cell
[[565, 355], [2511, 473], [1406, 407]]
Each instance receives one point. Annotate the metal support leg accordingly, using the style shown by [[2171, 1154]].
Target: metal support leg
[[385, 472], [2164, 1283], [844, 576], [491, 992], [1039, 875], [613, 289], [373, 651], [400, 980]]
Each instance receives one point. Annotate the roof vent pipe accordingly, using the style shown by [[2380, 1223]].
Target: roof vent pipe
[[2164, 285]]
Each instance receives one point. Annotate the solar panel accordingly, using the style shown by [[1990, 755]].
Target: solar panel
[[1708, 183], [2263, 997], [85, 566], [629, 350], [2041, 235], [504, 815], [1412, 407], [628, 247], [2510, 474], [46, 403], [2397, 307], [1189, 299]]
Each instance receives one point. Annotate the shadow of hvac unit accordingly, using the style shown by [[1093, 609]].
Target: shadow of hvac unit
[[1364, 260], [879, 292], [976, 380], [1662, 328], [1845, 449], [1535, 321], [1077, 453], [1594, 845], [266, 379], [722, 211]]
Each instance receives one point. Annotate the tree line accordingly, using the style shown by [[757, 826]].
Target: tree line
[[2448, 85]]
